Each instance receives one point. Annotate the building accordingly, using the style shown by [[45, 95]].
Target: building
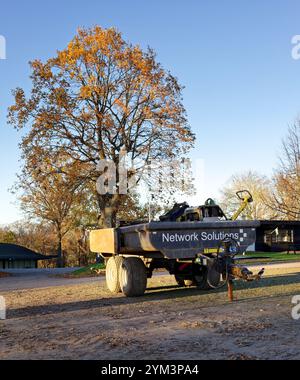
[[278, 236], [14, 256]]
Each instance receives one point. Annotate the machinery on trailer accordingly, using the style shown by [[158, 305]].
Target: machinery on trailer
[[198, 245]]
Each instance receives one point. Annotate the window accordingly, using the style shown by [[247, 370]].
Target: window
[[278, 236]]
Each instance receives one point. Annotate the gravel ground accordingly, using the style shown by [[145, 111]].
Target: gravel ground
[[82, 320]]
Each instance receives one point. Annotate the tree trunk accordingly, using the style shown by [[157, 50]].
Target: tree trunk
[[59, 262], [108, 217], [108, 207]]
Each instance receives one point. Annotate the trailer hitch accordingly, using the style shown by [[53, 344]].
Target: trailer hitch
[[243, 273], [224, 262]]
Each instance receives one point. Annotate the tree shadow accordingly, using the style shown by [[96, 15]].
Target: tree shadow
[[153, 294]]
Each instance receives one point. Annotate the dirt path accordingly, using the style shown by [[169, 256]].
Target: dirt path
[[40, 278], [85, 322]]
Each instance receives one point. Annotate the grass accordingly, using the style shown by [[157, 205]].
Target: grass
[[89, 271], [272, 257]]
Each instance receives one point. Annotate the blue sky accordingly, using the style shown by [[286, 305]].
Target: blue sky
[[242, 87]]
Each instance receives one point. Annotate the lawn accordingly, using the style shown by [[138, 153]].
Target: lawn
[[89, 271], [273, 256]]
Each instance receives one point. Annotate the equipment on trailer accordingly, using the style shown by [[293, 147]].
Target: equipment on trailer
[[175, 214], [198, 245], [246, 198], [182, 212]]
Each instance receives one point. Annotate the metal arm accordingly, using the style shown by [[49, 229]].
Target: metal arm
[[246, 198]]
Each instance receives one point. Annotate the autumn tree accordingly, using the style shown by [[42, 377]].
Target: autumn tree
[[260, 188], [52, 191], [285, 197], [39, 236], [98, 97], [7, 236]]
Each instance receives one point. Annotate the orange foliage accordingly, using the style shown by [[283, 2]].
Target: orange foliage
[[100, 95]]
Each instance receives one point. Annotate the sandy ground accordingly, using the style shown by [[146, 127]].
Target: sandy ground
[[81, 320]]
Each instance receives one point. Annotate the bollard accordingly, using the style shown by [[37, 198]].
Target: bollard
[[230, 290], [2, 308]]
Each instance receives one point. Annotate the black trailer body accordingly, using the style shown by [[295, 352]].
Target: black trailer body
[[183, 240]]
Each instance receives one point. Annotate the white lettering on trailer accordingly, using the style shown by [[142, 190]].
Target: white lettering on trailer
[[218, 236], [178, 238], [203, 236]]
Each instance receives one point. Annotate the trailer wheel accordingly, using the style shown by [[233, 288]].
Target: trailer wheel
[[113, 273], [208, 279], [133, 277]]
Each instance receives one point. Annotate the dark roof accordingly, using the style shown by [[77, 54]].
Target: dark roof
[[17, 252], [280, 222]]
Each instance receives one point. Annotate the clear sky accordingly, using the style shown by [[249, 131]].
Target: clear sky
[[242, 87]]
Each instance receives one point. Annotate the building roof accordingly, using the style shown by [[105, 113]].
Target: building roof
[[280, 222], [17, 252]]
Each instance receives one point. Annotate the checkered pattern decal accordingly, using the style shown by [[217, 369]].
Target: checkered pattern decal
[[242, 235]]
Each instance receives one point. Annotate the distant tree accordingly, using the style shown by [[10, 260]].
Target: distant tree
[[98, 97], [260, 188], [285, 196], [52, 193], [7, 236]]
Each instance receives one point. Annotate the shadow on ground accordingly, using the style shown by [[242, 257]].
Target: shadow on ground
[[152, 294]]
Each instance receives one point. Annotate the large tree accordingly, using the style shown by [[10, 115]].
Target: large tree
[[98, 97]]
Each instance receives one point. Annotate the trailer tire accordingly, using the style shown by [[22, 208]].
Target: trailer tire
[[133, 277], [113, 266], [209, 279]]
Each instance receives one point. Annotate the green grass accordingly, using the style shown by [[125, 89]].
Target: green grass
[[87, 271], [273, 256]]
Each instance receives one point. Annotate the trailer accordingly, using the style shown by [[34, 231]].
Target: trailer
[[201, 253]]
